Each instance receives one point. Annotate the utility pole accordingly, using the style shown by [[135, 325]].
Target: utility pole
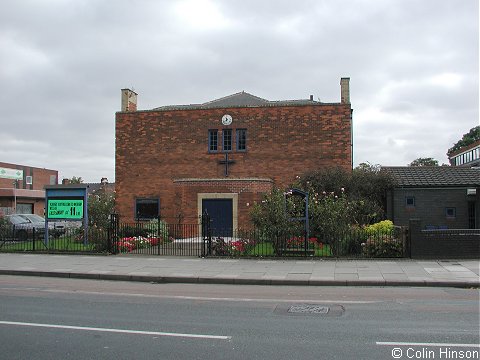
[[15, 182]]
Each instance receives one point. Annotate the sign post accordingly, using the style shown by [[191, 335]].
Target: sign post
[[69, 203]]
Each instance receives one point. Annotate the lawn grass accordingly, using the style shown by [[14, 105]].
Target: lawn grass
[[266, 249], [323, 251], [262, 249], [62, 243]]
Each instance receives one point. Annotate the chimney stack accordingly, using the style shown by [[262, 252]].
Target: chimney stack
[[345, 90], [129, 100]]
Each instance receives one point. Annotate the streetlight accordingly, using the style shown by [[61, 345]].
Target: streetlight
[[15, 182]]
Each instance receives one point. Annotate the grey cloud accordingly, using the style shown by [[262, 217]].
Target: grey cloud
[[62, 65]]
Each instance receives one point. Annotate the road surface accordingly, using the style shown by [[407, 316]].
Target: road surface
[[47, 318]]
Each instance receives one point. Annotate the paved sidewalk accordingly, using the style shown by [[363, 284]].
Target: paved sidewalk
[[402, 272]]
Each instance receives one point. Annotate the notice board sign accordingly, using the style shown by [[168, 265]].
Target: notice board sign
[[69, 209], [67, 203]]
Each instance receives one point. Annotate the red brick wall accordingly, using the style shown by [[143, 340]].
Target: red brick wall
[[40, 177], [155, 147]]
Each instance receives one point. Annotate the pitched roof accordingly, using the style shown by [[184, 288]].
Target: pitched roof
[[240, 99], [434, 176]]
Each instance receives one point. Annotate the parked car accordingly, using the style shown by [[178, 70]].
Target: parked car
[[24, 226]]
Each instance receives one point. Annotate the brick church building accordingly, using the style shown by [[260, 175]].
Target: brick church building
[[221, 156]]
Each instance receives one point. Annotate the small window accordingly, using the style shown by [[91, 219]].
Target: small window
[[451, 212], [146, 209], [241, 139], [212, 140], [24, 208], [410, 201], [227, 139]]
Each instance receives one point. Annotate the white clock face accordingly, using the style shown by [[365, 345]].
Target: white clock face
[[226, 119]]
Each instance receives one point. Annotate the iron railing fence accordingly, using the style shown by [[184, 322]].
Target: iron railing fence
[[348, 243], [158, 237], [14, 239]]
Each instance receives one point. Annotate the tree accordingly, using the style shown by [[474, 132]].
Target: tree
[[100, 206], [368, 188], [365, 187], [76, 180], [331, 179], [467, 139], [424, 162]]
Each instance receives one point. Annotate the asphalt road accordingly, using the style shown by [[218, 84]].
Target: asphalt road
[[46, 318]]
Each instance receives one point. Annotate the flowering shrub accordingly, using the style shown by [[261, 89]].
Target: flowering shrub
[[381, 241], [242, 246], [220, 247], [299, 242], [233, 248], [270, 218], [382, 246], [238, 246], [128, 244], [385, 226]]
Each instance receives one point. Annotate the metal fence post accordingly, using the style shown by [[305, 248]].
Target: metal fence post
[[206, 235], [415, 238], [113, 234], [305, 242], [158, 235]]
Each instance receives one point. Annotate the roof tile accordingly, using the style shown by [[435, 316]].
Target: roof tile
[[434, 176]]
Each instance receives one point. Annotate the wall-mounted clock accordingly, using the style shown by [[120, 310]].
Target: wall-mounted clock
[[226, 119]]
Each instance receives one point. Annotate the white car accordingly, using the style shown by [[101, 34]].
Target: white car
[[24, 226]]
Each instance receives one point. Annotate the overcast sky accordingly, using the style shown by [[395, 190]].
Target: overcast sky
[[413, 66]]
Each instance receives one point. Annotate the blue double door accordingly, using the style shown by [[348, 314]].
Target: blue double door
[[220, 212]]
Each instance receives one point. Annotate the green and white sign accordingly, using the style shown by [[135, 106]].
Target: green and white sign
[[65, 209], [13, 174]]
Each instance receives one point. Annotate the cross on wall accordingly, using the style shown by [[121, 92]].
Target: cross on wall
[[227, 162]]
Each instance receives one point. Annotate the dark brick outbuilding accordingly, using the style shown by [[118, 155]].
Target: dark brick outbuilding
[[441, 197]]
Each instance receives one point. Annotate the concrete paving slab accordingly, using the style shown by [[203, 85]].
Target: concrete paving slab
[[457, 273], [436, 270], [456, 268], [346, 270]]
